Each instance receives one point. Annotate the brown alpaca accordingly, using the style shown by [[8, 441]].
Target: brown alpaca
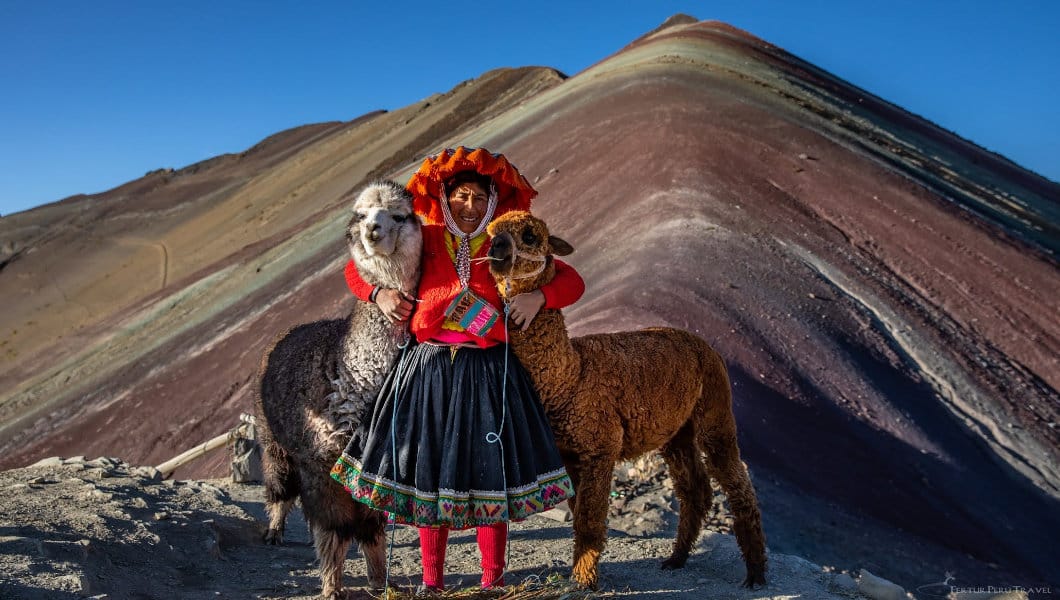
[[318, 383], [615, 396]]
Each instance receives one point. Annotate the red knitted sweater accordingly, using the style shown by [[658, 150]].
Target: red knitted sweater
[[439, 284]]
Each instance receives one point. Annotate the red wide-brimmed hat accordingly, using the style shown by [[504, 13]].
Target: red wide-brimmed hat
[[514, 192]]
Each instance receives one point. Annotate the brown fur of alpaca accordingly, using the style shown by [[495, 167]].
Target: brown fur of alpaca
[[318, 382], [612, 397]]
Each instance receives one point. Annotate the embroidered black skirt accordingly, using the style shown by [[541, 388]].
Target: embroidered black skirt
[[458, 439]]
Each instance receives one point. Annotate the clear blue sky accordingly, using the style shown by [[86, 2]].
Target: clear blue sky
[[93, 94]]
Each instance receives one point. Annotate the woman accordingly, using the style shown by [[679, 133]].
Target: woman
[[458, 437]]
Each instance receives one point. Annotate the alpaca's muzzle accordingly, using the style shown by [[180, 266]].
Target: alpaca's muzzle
[[501, 254]]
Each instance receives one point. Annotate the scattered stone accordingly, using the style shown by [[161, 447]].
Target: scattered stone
[[845, 583], [69, 583], [150, 473], [52, 461], [878, 588], [640, 504], [560, 513], [97, 495], [102, 463], [212, 489]]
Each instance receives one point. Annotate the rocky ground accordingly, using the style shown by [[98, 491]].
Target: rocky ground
[[76, 528]]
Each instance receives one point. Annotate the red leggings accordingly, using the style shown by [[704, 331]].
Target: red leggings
[[491, 542]]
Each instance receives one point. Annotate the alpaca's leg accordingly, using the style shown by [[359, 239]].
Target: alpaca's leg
[[723, 457], [281, 489], [370, 533], [572, 472], [590, 521], [690, 483], [331, 550], [278, 512], [337, 521]]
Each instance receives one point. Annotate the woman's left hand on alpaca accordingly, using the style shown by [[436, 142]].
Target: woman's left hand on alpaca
[[525, 307]]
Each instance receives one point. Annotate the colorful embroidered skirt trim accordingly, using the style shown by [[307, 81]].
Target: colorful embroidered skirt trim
[[451, 508]]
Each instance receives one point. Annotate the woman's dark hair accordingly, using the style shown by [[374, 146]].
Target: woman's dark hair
[[468, 177]]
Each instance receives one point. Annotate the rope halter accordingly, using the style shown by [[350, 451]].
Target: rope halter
[[541, 258]]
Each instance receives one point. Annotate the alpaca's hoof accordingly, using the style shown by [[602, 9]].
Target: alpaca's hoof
[[274, 537], [676, 561], [585, 581], [587, 585], [756, 577]]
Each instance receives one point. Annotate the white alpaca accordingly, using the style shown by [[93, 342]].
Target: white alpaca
[[318, 382]]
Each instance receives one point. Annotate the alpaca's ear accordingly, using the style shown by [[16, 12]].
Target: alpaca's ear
[[559, 247]]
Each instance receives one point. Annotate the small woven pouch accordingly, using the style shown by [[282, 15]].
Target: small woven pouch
[[474, 314]]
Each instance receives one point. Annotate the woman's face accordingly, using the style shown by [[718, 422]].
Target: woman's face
[[467, 203]]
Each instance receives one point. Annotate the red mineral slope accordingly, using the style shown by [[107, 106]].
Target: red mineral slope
[[883, 291]]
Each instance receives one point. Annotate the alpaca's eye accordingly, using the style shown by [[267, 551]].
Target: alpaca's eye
[[400, 218], [529, 238], [358, 216]]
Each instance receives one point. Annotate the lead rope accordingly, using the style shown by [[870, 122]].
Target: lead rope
[[495, 438], [393, 448]]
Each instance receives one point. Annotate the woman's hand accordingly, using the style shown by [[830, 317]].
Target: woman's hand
[[524, 308], [396, 306]]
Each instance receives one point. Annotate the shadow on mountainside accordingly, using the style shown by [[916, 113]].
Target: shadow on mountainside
[[996, 526]]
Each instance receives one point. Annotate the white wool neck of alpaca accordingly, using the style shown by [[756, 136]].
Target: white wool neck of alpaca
[[463, 252]]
